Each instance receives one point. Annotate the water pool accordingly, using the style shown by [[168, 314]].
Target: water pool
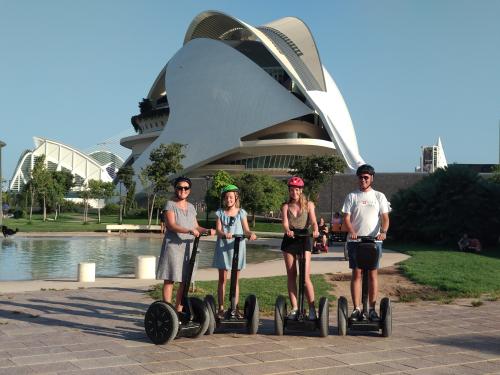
[[39, 258]]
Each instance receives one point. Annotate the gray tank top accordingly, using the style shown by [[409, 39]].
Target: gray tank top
[[299, 221]]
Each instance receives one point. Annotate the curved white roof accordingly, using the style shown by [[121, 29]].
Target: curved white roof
[[217, 95], [59, 156]]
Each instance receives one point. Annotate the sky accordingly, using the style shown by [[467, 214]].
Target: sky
[[410, 71]]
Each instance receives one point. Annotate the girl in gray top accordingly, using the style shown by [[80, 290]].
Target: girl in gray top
[[178, 241]]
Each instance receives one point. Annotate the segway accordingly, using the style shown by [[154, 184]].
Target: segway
[[163, 323], [301, 321], [366, 258], [250, 320]]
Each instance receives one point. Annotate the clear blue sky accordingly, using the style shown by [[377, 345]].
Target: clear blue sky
[[410, 71]]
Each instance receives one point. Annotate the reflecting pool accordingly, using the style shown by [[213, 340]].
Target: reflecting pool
[[38, 258]]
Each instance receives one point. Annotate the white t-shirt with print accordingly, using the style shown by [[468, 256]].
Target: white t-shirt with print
[[365, 209]]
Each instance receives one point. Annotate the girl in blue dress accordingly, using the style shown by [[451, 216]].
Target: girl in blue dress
[[231, 220]]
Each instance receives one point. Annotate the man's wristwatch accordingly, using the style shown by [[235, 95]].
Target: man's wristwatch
[[383, 231], [191, 232]]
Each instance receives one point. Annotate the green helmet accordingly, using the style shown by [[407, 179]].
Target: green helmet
[[229, 188]]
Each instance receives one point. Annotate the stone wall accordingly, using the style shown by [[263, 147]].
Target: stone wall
[[337, 188]]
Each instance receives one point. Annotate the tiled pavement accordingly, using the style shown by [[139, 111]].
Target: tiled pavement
[[100, 331]]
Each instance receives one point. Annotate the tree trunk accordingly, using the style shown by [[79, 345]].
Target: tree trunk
[[157, 215], [99, 214], [31, 204], [44, 209], [151, 213], [253, 219]]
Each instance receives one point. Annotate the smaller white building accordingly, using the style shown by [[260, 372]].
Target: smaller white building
[[101, 166]]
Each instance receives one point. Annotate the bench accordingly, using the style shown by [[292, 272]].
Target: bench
[[132, 227]]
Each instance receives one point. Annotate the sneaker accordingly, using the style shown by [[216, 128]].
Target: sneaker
[[220, 314], [293, 314], [312, 313], [356, 315], [239, 314], [373, 316]]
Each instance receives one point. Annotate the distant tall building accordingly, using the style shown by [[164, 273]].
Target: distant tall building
[[432, 158]]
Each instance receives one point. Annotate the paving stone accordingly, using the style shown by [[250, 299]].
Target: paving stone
[[210, 362], [47, 368], [104, 362], [487, 366]]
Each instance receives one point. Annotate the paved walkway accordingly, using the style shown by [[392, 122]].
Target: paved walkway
[[100, 331]]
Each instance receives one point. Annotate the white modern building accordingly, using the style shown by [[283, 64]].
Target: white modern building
[[433, 157], [99, 165], [244, 98]]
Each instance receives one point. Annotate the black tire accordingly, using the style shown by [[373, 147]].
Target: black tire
[[386, 316], [200, 316], [161, 323], [279, 315], [324, 317], [342, 311], [252, 314], [212, 324]]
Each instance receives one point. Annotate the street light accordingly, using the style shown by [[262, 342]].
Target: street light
[[2, 144]]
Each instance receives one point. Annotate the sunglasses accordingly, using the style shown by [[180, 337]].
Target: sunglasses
[[364, 177], [185, 188]]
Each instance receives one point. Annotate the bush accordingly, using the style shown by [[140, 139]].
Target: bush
[[111, 209], [446, 204], [70, 206], [137, 213], [19, 214]]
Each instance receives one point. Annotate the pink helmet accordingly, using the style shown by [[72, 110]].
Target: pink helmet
[[295, 182]]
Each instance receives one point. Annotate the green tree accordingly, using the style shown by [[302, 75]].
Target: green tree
[[101, 190], [446, 204], [260, 193], [165, 161], [41, 179], [496, 174], [85, 194], [62, 182], [125, 176], [315, 171], [212, 196]]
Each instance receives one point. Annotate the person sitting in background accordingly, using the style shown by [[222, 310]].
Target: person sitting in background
[[323, 231], [469, 244]]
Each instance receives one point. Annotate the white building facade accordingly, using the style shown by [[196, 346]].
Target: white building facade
[[244, 98]]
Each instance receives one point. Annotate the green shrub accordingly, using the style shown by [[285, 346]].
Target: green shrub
[[446, 204], [137, 213], [111, 209], [19, 213]]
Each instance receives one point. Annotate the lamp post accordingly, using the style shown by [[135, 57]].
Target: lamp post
[[2, 144], [207, 179]]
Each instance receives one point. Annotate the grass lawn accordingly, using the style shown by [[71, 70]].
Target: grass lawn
[[73, 222], [455, 273], [266, 289]]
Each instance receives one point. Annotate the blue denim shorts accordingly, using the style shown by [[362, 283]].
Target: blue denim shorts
[[352, 248]]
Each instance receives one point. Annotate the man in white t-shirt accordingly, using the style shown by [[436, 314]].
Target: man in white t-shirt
[[366, 213]]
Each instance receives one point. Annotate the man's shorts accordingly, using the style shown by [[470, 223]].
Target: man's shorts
[[352, 247]]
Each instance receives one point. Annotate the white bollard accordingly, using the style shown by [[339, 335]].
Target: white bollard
[[86, 272], [145, 267]]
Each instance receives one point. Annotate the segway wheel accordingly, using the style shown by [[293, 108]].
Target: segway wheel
[[212, 323], [324, 317], [386, 316], [252, 314], [342, 317], [161, 323], [200, 316], [279, 315]]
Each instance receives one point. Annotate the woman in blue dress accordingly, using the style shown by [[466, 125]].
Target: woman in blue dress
[[231, 220]]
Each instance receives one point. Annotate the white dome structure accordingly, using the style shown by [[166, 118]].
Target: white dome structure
[[244, 98], [100, 166]]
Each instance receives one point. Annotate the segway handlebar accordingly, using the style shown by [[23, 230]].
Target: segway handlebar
[[364, 239]]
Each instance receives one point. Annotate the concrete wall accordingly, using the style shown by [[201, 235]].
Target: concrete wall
[[340, 185]]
